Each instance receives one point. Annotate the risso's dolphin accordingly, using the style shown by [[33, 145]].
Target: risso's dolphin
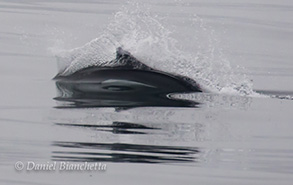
[[128, 83]]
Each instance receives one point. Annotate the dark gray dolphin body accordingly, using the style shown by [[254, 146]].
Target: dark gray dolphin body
[[129, 83]]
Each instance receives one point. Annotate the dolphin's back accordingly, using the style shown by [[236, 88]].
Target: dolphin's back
[[130, 82]]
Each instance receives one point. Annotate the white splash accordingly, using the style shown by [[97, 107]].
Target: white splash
[[136, 30]]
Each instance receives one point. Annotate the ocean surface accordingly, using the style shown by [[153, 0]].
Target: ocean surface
[[240, 52]]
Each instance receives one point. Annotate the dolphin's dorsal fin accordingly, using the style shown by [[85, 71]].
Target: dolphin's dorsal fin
[[125, 59], [121, 52]]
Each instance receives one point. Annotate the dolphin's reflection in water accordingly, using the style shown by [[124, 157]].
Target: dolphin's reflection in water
[[115, 128], [123, 152]]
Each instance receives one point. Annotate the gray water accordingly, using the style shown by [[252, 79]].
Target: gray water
[[228, 139]]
